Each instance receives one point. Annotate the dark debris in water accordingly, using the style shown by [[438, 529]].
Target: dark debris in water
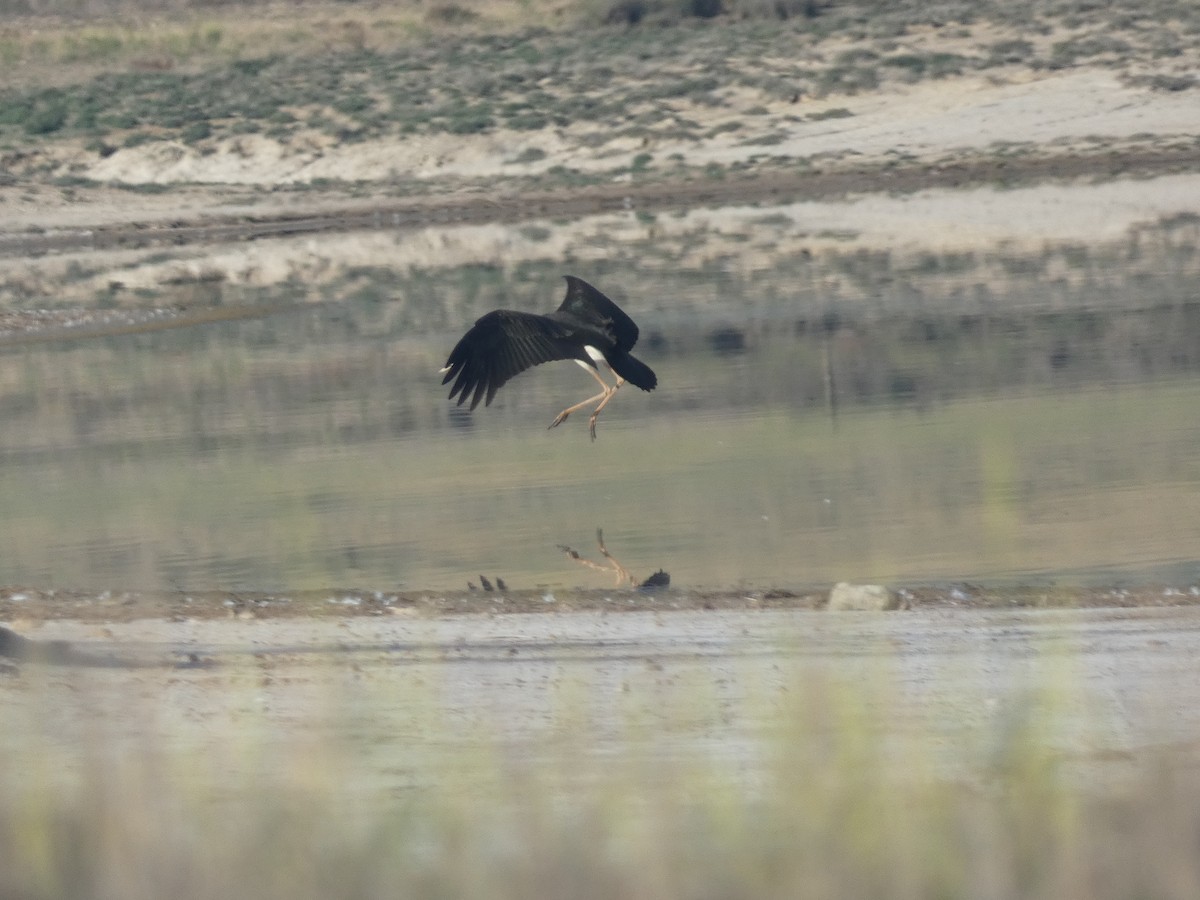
[[660, 580]]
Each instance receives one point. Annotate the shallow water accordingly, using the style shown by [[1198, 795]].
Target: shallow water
[[854, 415]]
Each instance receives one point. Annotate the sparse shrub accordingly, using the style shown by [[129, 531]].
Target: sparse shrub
[[450, 14], [659, 12], [940, 65], [626, 12], [1012, 51], [723, 128], [529, 121], [530, 154], [254, 66], [855, 55], [847, 80], [119, 120], [87, 113], [91, 46], [1172, 82], [772, 139], [355, 103], [100, 148], [910, 61], [197, 131], [469, 121], [704, 9], [47, 117], [774, 9], [210, 37], [839, 112], [137, 138], [634, 12], [15, 111]]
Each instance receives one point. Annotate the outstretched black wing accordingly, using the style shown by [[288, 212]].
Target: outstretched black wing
[[585, 303], [500, 345]]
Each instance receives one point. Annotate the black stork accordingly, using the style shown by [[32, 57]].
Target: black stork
[[588, 328]]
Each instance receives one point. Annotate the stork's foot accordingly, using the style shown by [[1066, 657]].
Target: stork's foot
[[608, 395], [600, 399]]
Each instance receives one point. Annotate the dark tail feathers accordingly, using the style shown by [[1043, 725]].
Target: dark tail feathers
[[634, 371]]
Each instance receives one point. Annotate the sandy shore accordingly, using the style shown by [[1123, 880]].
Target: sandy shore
[[703, 687]]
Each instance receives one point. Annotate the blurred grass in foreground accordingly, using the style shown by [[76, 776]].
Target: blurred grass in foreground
[[847, 802]]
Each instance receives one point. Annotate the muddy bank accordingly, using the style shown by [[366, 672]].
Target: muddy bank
[[1102, 687], [41, 605]]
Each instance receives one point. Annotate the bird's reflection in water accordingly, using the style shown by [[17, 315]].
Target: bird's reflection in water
[[658, 581]]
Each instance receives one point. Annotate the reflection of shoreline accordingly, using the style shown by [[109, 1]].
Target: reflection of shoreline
[[31, 327], [865, 354], [1046, 245]]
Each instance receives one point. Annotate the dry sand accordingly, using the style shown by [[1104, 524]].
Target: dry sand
[[894, 138]]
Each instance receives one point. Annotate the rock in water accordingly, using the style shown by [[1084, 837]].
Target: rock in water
[[862, 597]]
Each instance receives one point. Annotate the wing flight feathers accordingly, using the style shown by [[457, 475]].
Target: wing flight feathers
[[500, 345], [587, 303]]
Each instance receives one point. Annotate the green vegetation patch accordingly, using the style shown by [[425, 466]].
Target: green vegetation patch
[[603, 65]]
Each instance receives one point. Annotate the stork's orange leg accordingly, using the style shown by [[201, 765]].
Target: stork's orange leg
[[603, 397], [603, 403], [562, 416]]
